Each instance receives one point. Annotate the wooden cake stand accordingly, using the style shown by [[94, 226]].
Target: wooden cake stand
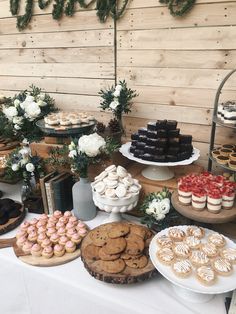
[[225, 215], [13, 222], [38, 261]]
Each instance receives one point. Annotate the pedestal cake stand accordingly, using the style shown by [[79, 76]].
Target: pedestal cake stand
[[189, 288], [158, 171]]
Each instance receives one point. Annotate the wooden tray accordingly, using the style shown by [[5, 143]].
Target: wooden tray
[[8, 145], [13, 222], [127, 276], [38, 261], [226, 215]]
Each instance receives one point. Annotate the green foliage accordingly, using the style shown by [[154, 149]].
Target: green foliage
[[179, 7], [57, 10], [43, 4], [23, 20], [70, 7], [14, 6]]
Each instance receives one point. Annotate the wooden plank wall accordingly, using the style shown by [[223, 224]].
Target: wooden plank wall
[[71, 59], [176, 64]]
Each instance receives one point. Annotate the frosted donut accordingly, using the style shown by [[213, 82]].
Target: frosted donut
[[110, 193], [120, 191], [110, 168], [100, 187], [121, 171]]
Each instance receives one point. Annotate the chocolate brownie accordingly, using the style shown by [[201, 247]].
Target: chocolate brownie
[[161, 142], [148, 157], [172, 150], [171, 158], [152, 134], [185, 139], [160, 158], [161, 124], [160, 150], [151, 126], [138, 153], [161, 133], [186, 148], [141, 145], [173, 133], [135, 136], [150, 149], [132, 149], [171, 124], [151, 142], [142, 131]]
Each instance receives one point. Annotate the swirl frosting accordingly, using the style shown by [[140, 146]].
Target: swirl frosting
[[183, 266], [181, 249], [222, 265], [206, 273], [229, 254], [199, 257]]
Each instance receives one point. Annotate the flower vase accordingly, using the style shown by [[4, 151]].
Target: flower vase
[[26, 190], [83, 205]]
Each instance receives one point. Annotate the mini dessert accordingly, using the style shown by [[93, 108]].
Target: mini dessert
[[70, 225], [185, 194], [36, 250], [76, 238], [57, 214], [50, 231], [59, 250], [214, 201], [195, 231], [222, 266], [63, 220], [206, 275], [176, 234], [192, 242], [166, 256], [70, 247], [67, 214], [199, 258], [228, 196], [226, 152], [215, 153], [199, 197], [20, 241], [24, 225], [41, 237], [222, 160], [164, 241], [229, 254], [59, 225], [33, 236], [217, 239], [182, 268], [42, 229], [41, 223], [54, 238], [27, 246], [73, 219], [43, 217], [21, 233], [232, 164], [70, 232], [232, 157], [33, 222], [209, 249], [46, 242], [82, 232], [47, 252], [181, 250], [31, 229], [63, 240]]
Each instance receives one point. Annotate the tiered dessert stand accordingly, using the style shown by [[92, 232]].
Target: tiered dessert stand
[[158, 171], [189, 288]]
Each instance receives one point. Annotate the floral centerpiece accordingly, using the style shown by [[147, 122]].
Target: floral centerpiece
[[118, 100], [19, 114]]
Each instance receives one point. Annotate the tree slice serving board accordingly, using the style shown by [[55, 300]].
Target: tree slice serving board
[[225, 215], [39, 261], [13, 222], [127, 276]]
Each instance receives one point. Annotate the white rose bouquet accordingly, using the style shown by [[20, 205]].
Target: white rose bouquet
[[19, 114], [89, 149], [157, 209], [117, 99]]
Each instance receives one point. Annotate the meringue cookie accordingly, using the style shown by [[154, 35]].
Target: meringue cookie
[[128, 181], [121, 191], [101, 176], [100, 187], [112, 184], [110, 168], [113, 176], [121, 171], [110, 193], [133, 188]]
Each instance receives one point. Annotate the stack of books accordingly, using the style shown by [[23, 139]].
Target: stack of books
[[56, 189]]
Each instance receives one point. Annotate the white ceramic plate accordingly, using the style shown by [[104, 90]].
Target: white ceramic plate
[[124, 149], [222, 285]]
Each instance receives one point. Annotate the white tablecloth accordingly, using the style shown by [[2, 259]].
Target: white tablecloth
[[69, 289]]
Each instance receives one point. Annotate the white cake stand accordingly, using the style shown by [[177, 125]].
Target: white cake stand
[[190, 288], [158, 171]]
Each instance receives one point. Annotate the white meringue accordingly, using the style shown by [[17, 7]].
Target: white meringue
[[121, 171], [113, 176], [100, 187], [110, 168], [121, 191], [112, 183], [110, 193], [101, 176]]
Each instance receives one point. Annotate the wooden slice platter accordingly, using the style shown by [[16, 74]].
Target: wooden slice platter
[[6, 145], [13, 222], [226, 215], [39, 261], [127, 276]]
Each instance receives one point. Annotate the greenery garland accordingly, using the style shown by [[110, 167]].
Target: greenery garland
[[43, 4], [14, 6], [57, 10], [23, 20], [179, 7]]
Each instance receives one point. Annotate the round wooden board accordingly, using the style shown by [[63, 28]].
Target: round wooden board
[[226, 215], [127, 276], [10, 145], [13, 222]]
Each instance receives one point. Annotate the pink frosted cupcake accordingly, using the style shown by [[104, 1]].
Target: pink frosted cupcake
[[76, 238], [46, 242], [67, 214], [27, 247], [73, 219], [59, 250], [64, 220], [70, 232], [42, 229], [52, 219], [51, 224], [70, 225], [70, 247], [57, 214], [60, 225], [21, 233], [54, 238], [32, 237], [61, 231], [36, 250], [51, 231], [25, 225], [43, 217], [80, 224], [41, 223], [63, 240], [47, 252], [20, 241], [82, 232], [41, 237], [31, 229], [33, 222]]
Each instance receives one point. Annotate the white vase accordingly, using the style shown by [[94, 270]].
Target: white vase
[[83, 205]]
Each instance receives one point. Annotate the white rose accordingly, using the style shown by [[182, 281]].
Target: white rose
[[25, 141], [72, 153], [154, 204], [16, 102], [30, 167], [41, 96], [17, 120], [118, 87], [114, 104], [15, 167], [72, 146], [24, 151], [116, 93], [17, 127], [32, 110], [150, 210], [29, 98], [10, 112], [24, 161], [159, 216], [41, 103], [165, 206], [91, 144]]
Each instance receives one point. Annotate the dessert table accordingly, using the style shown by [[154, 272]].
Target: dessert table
[[70, 289]]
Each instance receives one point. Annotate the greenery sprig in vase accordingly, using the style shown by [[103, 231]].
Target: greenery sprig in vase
[[118, 100]]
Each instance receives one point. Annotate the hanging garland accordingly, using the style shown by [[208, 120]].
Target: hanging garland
[[105, 8], [179, 7]]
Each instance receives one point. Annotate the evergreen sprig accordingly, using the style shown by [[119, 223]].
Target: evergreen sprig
[[23, 20], [14, 6], [43, 4], [57, 10], [179, 7]]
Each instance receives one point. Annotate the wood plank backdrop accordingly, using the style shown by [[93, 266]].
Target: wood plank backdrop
[[175, 64]]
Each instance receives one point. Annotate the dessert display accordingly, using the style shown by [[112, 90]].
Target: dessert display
[[199, 255], [114, 190], [118, 252], [225, 155], [161, 141], [206, 191], [50, 236], [68, 119], [226, 112], [11, 214]]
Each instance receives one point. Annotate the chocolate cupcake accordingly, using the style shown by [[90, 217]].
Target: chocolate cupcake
[[185, 139], [160, 158], [151, 126], [135, 136], [15, 211], [152, 134], [150, 149], [138, 153], [148, 157], [142, 131], [171, 158], [171, 124], [4, 217], [173, 133], [161, 124], [161, 133]]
